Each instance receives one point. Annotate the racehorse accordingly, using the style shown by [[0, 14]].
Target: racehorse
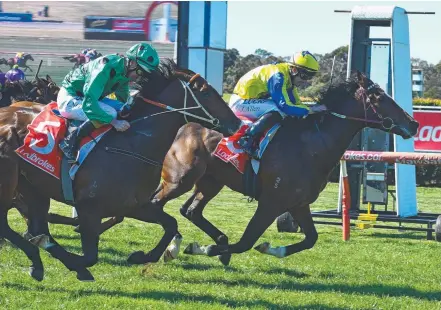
[[40, 91], [120, 174], [293, 170], [79, 59], [21, 62]]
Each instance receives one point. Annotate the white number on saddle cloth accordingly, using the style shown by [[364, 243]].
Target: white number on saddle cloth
[[43, 129]]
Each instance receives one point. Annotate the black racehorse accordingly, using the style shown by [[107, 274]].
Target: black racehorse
[[119, 176]]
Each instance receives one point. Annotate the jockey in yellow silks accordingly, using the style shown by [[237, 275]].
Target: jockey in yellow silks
[[267, 94]]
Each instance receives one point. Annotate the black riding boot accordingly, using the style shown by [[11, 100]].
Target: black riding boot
[[70, 144], [249, 142]]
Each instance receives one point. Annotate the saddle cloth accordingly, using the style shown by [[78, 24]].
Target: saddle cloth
[[41, 144], [229, 151]]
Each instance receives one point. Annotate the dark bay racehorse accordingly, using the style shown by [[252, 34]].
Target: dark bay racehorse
[[40, 90], [300, 157], [119, 176], [21, 62], [293, 171], [79, 59]]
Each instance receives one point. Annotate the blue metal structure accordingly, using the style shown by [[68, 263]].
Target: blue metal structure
[[202, 32]]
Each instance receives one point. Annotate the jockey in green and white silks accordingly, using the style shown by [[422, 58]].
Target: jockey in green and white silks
[[83, 91], [267, 94]]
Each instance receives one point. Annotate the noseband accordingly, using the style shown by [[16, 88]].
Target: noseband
[[362, 94]]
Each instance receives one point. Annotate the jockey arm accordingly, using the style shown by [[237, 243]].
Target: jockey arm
[[286, 98], [93, 90], [122, 93]]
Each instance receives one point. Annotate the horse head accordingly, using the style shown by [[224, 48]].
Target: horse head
[[373, 107], [185, 90], [28, 57], [44, 90]]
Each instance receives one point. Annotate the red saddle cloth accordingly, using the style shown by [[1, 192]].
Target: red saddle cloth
[[41, 144], [229, 151]]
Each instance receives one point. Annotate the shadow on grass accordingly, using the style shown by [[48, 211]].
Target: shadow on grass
[[377, 290], [161, 295], [204, 267], [284, 271], [403, 235]]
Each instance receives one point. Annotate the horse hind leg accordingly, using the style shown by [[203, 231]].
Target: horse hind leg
[[176, 183], [304, 218]]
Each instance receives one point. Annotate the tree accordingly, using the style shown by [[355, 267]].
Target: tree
[[236, 66], [263, 53]]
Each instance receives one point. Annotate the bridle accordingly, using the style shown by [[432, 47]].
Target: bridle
[[362, 94], [187, 89]]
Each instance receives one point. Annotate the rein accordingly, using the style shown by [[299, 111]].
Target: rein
[[212, 120], [363, 94]]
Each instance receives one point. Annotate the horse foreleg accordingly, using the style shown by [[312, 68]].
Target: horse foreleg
[[304, 218], [60, 219], [206, 189], [89, 231], [265, 214], [8, 184], [153, 214], [110, 223]]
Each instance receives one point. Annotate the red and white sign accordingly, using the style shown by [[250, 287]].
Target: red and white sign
[[428, 137], [40, 146], [129, 24]]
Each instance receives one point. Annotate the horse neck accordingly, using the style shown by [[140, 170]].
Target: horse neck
[[335, 134], [159, 127]]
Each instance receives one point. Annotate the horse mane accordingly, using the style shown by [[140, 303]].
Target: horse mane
[[152, 85], [331, 97], [335, 93]]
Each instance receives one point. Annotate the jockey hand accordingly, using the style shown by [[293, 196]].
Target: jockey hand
[[120, 125], [124, 112], [317, 108]]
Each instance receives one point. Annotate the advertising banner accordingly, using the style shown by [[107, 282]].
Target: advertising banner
[[428, 138], [128, 24]]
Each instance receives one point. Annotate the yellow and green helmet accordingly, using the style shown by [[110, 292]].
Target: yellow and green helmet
[[144, 55], [306, 64]]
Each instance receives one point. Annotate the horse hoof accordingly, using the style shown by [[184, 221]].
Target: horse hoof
[[225, 259], [263, 248], [27, 236], [37, 274], [214, 250], [137, 258], [190, 248], [168, 256], [85, 276]]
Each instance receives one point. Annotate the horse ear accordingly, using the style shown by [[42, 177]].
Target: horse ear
[[48, 78], [362, 79]]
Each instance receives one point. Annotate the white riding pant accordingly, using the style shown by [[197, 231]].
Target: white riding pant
[[252, 109], [71, 107]]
